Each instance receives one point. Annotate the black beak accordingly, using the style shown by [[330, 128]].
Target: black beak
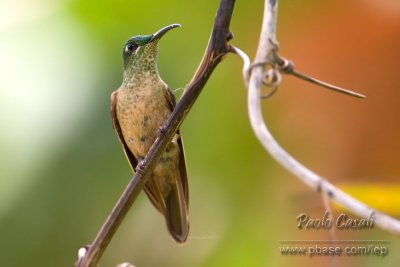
[[162, 31]]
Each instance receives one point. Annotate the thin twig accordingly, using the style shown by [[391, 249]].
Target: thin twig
[[326, 85], [313, 180], [287, 67], [217, 48]]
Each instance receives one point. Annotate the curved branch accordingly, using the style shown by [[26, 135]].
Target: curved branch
[[313, 180], [217, 48]]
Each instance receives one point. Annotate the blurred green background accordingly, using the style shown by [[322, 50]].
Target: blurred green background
[[62, 168]]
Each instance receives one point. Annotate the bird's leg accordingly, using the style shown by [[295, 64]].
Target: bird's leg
[[141, 161]]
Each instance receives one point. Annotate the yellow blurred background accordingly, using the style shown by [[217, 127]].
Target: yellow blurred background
[[62, 168]]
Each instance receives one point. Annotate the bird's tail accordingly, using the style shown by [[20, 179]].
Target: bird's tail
[[173, 205], [177, 212]]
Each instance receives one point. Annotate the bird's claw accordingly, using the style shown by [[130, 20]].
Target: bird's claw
[[140, 166], [161, 132]]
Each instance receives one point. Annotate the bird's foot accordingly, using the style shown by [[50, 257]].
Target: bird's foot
[[140, 166], [161, 131]]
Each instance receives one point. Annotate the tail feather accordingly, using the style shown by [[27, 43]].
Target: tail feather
[[169, 193], [177, 213]]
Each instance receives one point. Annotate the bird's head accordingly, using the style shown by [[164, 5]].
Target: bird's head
[[140, 52]]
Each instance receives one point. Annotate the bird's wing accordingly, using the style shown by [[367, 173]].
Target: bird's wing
[[113, 108], [129, 155], [182, 163], [177, 201]]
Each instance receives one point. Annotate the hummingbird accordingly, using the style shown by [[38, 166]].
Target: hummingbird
[[139, 108]]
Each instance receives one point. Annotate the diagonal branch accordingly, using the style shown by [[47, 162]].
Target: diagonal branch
[[265, 53], [217, 48]]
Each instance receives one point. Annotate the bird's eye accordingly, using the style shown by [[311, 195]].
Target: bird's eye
[[131, 47]]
